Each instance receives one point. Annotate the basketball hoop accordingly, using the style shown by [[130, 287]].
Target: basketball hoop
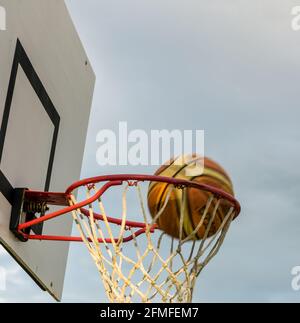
[[136, 261]]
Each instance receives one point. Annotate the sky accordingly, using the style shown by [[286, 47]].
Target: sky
[[230, 68]]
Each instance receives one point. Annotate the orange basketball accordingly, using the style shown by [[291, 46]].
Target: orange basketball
[[184, 167]]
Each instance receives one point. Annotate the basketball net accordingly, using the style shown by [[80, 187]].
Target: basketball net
[[151, 267]]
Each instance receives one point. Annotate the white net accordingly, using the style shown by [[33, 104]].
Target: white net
[[151, 267]]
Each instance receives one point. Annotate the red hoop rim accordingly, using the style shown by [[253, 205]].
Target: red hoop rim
[[56, 198], [154, 178]]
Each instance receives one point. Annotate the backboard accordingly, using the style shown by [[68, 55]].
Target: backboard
[[46, 88]]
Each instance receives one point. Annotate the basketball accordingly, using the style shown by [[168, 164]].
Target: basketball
[[188, 167]]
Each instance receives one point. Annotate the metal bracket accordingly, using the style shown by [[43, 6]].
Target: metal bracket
[[21, 208]]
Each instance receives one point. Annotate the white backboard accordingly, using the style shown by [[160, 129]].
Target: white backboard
[[46, 88]]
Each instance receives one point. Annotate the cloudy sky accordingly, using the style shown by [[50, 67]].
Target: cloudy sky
[[231, 68]]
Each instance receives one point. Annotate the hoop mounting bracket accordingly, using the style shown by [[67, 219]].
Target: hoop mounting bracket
[[21, 213]]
